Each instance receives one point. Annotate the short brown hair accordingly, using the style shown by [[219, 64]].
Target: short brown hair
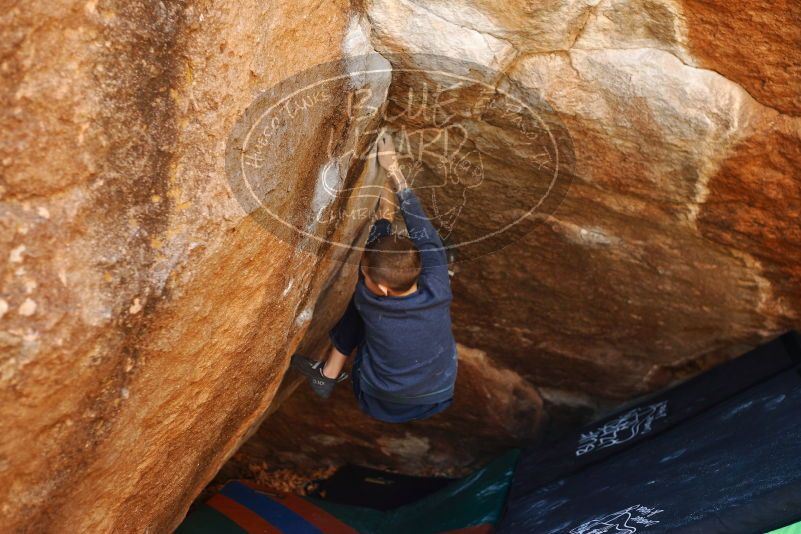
[[393, 261]]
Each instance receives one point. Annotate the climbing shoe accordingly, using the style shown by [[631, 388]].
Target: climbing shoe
[[322, 386]]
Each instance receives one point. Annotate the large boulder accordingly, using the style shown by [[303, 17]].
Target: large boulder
[[147, 313], [153, 291]]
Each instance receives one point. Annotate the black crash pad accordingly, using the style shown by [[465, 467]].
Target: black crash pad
[[716, 454]]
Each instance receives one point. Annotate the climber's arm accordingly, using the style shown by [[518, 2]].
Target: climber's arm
[[387, 209], [421, 231]]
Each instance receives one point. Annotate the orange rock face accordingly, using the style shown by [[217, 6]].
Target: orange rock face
[[757, 193], [146, 317], [754, 44]]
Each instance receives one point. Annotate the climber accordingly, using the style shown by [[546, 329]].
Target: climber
[[398, 319]]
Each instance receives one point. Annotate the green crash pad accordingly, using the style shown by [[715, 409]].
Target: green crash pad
[[795, 528], [477, 499]]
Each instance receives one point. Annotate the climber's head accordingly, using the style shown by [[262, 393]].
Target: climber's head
[[391, 265]]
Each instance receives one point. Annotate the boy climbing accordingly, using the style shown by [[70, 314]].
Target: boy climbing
[[398, 319]]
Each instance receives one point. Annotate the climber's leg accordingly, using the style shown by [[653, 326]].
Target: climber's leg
[[348, 333]]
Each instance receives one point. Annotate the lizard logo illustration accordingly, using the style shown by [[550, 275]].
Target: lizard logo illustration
[[457, 168], [622, 429], [628, 520]]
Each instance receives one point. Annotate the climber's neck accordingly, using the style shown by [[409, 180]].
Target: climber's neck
[[382, 291], [403, 293]]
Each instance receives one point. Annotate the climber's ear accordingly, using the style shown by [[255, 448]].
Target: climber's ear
[[384, 289]]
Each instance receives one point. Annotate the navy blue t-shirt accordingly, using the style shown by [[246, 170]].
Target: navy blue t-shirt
[[408, 347]]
